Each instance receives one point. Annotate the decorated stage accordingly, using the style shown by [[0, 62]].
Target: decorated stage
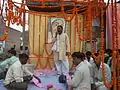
[[47, 78]]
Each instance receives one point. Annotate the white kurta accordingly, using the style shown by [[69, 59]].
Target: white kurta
[[98, 74], [91, 61], [16, 72], [81, 78], [60, 47], [90, 69]]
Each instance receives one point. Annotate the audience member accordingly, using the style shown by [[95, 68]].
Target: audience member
[[98, 76], [89, 57], [81, 77]]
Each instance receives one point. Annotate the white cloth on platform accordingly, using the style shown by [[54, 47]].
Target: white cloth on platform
[[60, 47]]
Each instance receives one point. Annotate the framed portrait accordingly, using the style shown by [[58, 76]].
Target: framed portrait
[[52, 26]]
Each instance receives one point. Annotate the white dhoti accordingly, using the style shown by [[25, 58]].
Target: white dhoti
[[62, 66]]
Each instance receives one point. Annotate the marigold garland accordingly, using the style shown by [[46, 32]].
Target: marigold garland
[[14, 17]]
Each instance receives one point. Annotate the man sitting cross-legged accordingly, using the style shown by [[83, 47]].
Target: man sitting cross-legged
[[15, 79]]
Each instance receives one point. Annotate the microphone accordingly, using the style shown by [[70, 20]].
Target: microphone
[[56, 34]]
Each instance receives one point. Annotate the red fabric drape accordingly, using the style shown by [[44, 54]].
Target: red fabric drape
[[109, 26]]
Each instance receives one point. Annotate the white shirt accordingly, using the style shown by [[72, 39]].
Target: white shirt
[[61, 45], [81, 78], [99, 76], [15, 73], [91, 60], [86, 62], [26, 70], [91, 70]]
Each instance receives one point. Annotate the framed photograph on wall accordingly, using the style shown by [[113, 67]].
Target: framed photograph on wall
[[52, 26]]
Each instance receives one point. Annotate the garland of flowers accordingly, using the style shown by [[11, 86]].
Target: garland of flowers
[[114, 43], [86, 29], [64, 15], [113, 82], [14, 17], [7, 28]]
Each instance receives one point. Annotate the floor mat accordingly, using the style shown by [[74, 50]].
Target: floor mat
[[46, 78]]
